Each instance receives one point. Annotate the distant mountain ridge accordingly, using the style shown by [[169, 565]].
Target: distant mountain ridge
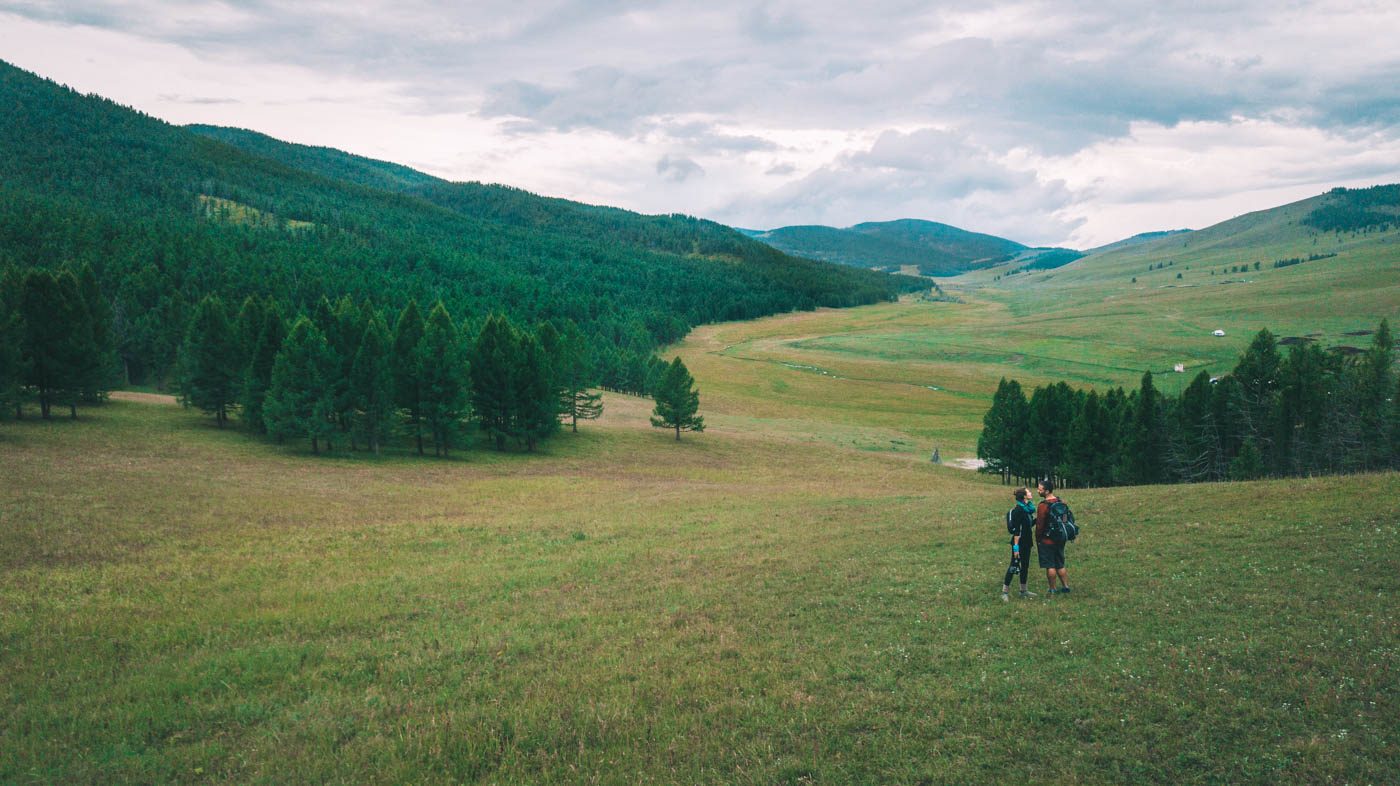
[[933, 248]]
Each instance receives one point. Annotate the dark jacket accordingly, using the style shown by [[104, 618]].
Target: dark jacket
[[1019, 522]]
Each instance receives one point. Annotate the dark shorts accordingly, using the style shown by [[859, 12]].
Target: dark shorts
[[1052, 556]]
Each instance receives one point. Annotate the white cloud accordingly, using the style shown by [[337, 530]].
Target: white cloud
[[1047, 122]]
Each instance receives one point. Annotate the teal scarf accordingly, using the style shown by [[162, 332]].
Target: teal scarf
[[1028, 507]]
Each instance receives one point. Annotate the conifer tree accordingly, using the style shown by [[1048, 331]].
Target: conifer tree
[[1248, 465], [408, 331], [257, 378], [1143, 443], [1256, 374], [247, 326], [1376, 383], [1300, 409], [442, 374], [1088, 452], [79, 348], [11, 338], [209, 366], [1395, 426], [343, 335], [576, 377], [1194, 443], [57, 338], [99, 368], [299, 400], [1225, 406], [551, 341], [494, 385], [1050, 412], [537, 396], [1003, 431], [372, 381], [677, 401]]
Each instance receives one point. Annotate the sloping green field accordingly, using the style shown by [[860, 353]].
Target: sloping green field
[[919, 374], [180, 604]]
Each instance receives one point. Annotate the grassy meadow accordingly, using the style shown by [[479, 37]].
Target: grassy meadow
[[182, 604], [796, 595], [919, 374]]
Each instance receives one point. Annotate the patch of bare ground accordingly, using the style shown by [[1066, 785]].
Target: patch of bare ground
[[144, 398]]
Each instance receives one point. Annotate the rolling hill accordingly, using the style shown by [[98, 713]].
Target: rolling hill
[[166, 215], [932, 248]]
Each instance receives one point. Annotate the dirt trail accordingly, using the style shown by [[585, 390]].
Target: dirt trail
[[144, 398]]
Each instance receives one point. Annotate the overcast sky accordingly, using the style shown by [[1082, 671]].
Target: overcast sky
[[1051, 123]]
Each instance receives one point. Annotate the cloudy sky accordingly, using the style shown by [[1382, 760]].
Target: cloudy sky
[[1054, 123]]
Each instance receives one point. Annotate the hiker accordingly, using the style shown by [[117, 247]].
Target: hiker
[[1049, 552], [1020, 525]]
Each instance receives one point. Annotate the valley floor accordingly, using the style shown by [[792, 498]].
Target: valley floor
[[754, 604]]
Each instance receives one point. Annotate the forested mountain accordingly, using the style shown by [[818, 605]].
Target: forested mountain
[[167, 215], [934, 249]]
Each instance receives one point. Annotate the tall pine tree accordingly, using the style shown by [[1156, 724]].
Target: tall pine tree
[[1004, 430], [372, 382], [443, 379], [536, 394], [299, 403], [1144, 445], [57, 338], [494, 384], [575, 371], [1256, 376], [408, 331], [257, 377], [210, 371], [98, 372], [11, 339], [1375, 385], [1089, 450]]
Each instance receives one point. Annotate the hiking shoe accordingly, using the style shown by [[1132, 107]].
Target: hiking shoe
[[1027, 594], [1005, 597], [1064, 590], [1051, 592]]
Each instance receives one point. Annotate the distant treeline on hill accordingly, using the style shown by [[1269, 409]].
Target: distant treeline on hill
[[1310, 412], [338, 375], [165, 216], [1357, 210]]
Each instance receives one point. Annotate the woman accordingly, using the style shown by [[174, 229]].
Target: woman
[[1020, 524]]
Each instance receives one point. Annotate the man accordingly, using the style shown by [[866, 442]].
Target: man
[[1050, 554], [1020, 524]]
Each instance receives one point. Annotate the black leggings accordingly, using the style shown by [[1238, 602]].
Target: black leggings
[[1025, 566]]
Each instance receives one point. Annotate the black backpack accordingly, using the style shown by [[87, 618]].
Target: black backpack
[[1059, 523]]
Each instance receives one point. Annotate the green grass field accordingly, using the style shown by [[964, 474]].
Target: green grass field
[[794, 596], [183, 604], [919, 374]]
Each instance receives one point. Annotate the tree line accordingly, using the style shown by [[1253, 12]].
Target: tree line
[[1308, 412], [56, 341], [337, 376], [341, 375]]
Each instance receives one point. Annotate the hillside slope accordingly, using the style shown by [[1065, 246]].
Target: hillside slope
[[167, 215], [1152, 305], [935, 249]]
